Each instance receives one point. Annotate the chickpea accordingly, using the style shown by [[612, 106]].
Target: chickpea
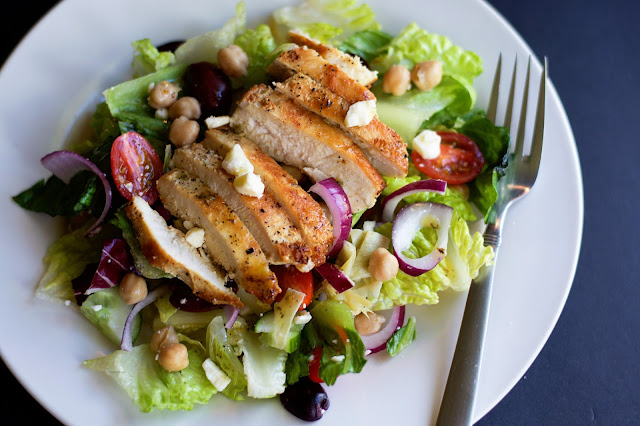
[[162, 337], [397, 80], [184, 131], [233, 61], [163, 95], [186, 106], [383, 266], [133, 288], [427, 75], [173, 357], [367, 324]]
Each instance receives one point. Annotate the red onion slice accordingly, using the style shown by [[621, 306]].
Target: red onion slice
[[410, 220], [231, 312], [341, 215], [335, 277], [65, 164], [390, 203], [126, 344], [378, 341]]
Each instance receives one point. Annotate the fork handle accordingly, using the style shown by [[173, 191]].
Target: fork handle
[[459, 396]]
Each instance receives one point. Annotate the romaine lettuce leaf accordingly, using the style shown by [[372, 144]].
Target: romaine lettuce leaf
[[222, 352], [205, 47], [258, 44], [366, 43], [108, 312], [65, 260], [152, 387], [264, 366], [147, 58], [402, 338], [466, 254], [324, 20]]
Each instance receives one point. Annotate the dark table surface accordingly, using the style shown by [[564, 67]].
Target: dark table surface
[[587, 373]]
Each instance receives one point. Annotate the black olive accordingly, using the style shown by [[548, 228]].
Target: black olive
[[170, 46], [210, 86], [305, 399]]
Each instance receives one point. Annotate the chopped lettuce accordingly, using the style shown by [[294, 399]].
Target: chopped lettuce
[[406, 113], [147, 58], [324, 20], [152, 387], [222, 352], [263, 366], [108, 312], [466, 254], [366, 43], [205, 47], [65, 260], [402, 338], [451, 197], [493, 142], [259, 46]]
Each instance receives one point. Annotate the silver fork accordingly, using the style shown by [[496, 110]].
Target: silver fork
[[459, 396]]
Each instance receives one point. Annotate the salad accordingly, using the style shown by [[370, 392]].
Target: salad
[[166, 251]]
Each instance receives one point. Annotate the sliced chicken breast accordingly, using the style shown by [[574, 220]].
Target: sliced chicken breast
[[265, 218], [167, 249], [227, 240], [351, 65], [305, 212], [383, 147], [296, 136], [307, 61]]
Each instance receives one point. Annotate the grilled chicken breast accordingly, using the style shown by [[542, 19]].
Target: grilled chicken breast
[[265, 218], [303, 210], [228, 241], [296, 136], [383, 147], [350, 64], [167, 249], [307, 61]]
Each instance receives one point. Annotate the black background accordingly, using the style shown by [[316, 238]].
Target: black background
[[588, 371]]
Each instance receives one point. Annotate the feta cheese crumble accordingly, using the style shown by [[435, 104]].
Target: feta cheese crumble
[[337, 358], [195, 237], [214, 122], [236, 162], [216, 376], [361, 113], [249, 184], [427, 144], [302, 318]]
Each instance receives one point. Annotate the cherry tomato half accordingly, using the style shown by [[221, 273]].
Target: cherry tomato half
[[135, 167], [314, 365], [290, 277], [460, 160]]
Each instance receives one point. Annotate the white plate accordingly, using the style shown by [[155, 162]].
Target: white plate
[[81, 47]]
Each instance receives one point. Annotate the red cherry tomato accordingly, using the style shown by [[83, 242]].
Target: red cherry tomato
[[314, 365], [460, 160], [290, 277], [135, 167]]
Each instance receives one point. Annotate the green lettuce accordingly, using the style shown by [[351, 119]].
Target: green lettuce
[[402, 338], [493, 142], [413, 44], [324, 20], [147, 58], [150, 386], [366, 43], [264, 366], [225, 355], [205, 47], [65, 261], [451, 197], [108, 312], [466, 254], [258, 44]]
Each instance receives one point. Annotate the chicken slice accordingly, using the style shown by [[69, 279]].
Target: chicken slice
[[307, 61], [383, 147], [351, 65], [228, 241], [298, 137], [167, 249], [303, 210], [267, 221]]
